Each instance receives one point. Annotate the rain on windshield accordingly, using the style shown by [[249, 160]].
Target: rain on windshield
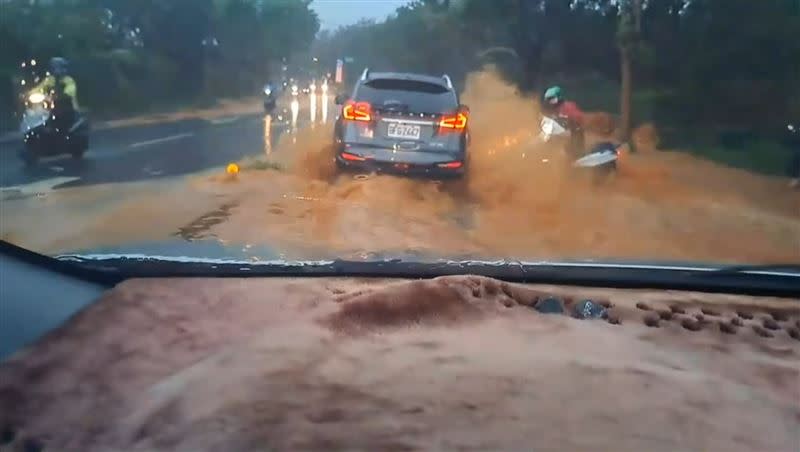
[[564, 129]]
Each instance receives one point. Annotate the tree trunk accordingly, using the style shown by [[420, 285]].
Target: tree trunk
[[631, 22], [625, 95]]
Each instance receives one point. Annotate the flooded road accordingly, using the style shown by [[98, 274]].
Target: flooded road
[[171, 187]]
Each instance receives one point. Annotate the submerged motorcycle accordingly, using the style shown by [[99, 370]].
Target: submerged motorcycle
[[52, 127], [601, 159]]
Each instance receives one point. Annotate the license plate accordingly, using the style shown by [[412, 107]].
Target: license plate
[[403, 131]]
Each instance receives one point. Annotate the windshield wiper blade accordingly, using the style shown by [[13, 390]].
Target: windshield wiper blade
[[788, 269]]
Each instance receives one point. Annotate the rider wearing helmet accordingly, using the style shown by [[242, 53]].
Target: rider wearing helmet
[[59, 83], [555, 104]]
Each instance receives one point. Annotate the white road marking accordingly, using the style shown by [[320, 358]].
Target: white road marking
[[162, 140], [53, 158], [227, 120], [39, 188], [112, 153]]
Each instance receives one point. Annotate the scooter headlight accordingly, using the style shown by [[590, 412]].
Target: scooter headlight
[[36, 98], [547, 127]]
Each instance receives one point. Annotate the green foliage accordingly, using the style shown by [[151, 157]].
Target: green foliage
[[131, 54], [763, 156], [732, 61], [724, 62]]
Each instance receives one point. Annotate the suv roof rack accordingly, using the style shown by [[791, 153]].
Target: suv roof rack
[[448, 81], [365, 74]]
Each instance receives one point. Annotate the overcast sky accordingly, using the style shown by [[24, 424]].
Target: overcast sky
[[334, 13]]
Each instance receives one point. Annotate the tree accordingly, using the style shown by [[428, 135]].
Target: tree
[[629, 36]]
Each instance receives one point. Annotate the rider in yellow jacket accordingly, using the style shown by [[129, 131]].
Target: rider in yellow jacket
[[59, 82]]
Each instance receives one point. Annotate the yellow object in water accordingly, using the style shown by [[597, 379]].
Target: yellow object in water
[[232, 169]]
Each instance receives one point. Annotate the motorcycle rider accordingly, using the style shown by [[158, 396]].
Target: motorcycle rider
[[555, 105], [270, 96], [64, 91], [60, 83], [55, 126]]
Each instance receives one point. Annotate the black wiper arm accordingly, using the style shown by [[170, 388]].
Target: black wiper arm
[[779, 280], [733, 269]]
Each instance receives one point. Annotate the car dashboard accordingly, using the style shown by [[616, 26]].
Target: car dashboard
[[353, 363]]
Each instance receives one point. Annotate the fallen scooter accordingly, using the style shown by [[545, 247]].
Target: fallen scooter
[[601, 159], [50, 130]]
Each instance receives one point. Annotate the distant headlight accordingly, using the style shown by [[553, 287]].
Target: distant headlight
[[36, 98], [790, 127], [267, 91]]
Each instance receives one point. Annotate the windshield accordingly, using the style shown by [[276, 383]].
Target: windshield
[[399, 225], [297, 130], [411, 95]]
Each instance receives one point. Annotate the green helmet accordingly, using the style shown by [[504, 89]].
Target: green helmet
[[553, 95]]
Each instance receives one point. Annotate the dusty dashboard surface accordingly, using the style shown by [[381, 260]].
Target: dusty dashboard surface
[[455, 363]]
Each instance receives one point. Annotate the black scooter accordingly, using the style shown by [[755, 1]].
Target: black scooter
[[52, 127]]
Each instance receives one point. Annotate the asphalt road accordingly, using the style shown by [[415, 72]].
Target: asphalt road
[[136, 153]]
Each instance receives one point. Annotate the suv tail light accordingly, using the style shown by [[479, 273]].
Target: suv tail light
[[457, 121], [451, 165], [357, 111], [352, 157]]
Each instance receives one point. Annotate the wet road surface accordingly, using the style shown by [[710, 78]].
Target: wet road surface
[[135, 153]]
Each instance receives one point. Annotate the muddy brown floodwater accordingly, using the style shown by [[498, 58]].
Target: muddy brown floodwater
[[662, 205]]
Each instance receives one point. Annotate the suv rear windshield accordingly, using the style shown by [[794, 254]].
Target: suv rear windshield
[[413, 95]]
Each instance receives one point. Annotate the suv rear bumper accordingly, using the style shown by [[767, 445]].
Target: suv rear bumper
[[423, 164]]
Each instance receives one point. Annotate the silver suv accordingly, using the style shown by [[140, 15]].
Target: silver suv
[[403, 123]]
